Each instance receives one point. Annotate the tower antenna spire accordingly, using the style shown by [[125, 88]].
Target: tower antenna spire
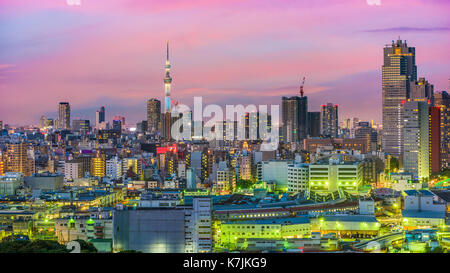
[[167, 50]]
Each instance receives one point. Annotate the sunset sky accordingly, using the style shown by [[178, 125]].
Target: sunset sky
[[112, 52]]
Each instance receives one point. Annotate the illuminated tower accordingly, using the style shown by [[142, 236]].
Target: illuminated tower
[[64, 116], [167, 83], [399, 69], [329, 120]]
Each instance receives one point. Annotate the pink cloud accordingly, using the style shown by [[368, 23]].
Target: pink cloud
[[219, 49]]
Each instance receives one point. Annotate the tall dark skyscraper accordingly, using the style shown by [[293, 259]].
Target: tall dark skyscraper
[[314, 124], [153, 115], [64, 116], [399, 69], [294, 116], [100, 116], [329, 120]]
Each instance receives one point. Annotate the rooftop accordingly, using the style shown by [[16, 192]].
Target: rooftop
[[418, 192], [350, 218], [281, 221], [423, 214], [443, 194]]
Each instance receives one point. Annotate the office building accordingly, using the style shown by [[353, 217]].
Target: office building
[[133, 164], [81, 126], [365, 131], [421, 90], [297, 178], [399, 69], [63, 116], [294, 117], [98, 166], [329, 144], [18, 160], [435, 139], [329, 120], [180, 229], [284, 228], [421, 210], [45, 182], [274, 172], [442, 100], [10, 182], [334, 172], [114, 168], [153, 115], [73, 170], [416, 156], [100, 116], [314, 124]]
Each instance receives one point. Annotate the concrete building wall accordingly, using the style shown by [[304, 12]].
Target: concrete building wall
[[149, 230]]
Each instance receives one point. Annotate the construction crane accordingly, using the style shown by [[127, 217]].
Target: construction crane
[[301, 87]]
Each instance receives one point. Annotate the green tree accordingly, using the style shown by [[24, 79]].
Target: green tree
[[244, 184], [37, 246], [395, 164], [130, 251], [86, 247]]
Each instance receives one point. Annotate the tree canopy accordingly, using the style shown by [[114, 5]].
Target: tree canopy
[[41, 246]]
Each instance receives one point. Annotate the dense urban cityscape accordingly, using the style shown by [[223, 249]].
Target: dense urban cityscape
[[245, 127], [328, 186]]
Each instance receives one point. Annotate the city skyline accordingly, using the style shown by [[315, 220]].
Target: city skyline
[[226, 64], [242, 126]]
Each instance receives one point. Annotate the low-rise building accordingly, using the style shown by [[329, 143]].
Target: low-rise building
[[180, 229], [298, 178], [10, 183], [347, 226], [45, 181], [294, 227]]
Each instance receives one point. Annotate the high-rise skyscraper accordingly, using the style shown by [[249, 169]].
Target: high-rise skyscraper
[[365, 131], [399, 69], [100, 116], [294, 115], [17, 159], [435, 138], [314, 124], [416, 154], [329, 120], [421, 90], [117, 125], [64, 116], [153, 115], [442, 100]]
